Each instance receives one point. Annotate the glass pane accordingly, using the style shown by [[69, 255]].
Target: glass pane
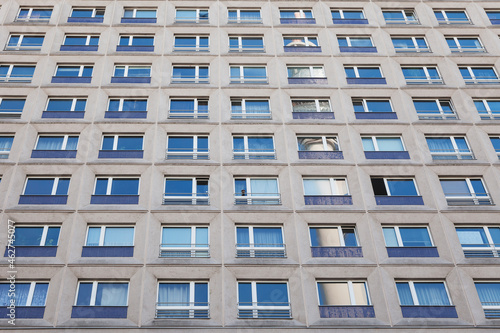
[[201, 294], [368, 144], [181, 143], [414, 236], [135, 105], [495, 235], [349, 237], [334, 293], [84, 294], [119, 236], [431, 293], [142, 41], [272, 294], [62, 186], [390, 144], [111, 294], [179, 186], [50, 143], [68, 71], [59, 105], [242, 235], [101, 186], [145, 13], [379, 106], [390, 237], [125, 187], [401, 187], [304, 105], [28, 236], [264, 186], [324, 237], [245, 293], [369, 72], [129, 143], [177, 236], [489, 293], [93, 236], [12, 105], [455, 187], [268, 237], [472, 236], [478, 187], [360, 293], [404, 293], [21, 294], [361, 42], [201, 236], [310, 144], [353, 15], [40, 294], [75, 40], [52, 236], [260, 144], [72, 143], [39, 186]]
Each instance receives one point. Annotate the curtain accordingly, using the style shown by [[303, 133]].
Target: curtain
[[267, 187], [119, 237], [317, 187], [268, 237], [455, 188], [431, 293], [415, 237], [340, 187], [404, 293], [93, 236], [440, 144], [50, 143], [40, 294], [489, 293], [242, 235], [22, 291], [299, 72], [324, 237], [177, 294], [304, 106], [111, 294]]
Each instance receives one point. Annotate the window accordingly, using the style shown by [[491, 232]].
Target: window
[[479, 242], [46, 186], [343, 293], [422, 75], [357, 42], [110, 236], [132, 71], [253, 147], [296, 16], [11, 107], [16, 73], [193, 147], [248, 74], [97, 13], [5, 145], [260, 242], [488, 108], [102, 293], [311, 105], [184, 242], [122, 142], [256, 191], [306, 72], [66, 104], [449, 148], [250, 109], [136, 43], [434, 109], [79, 40], [182, 300], [489, 295], [26, 293], [24, 42], [126, 104], [34, 14], [396, 191], [73, 74], [422, 293], [300, 41], [382, 143], [495, 141], [191, 15], [37, 236], [348, 16], [410, 44], [407, 236], [494, 16], [325, 186], [319, 143], [323, 236], [57, 142], [403, 16], [452, 16], [263, 300], [186, 191], [190, 43], [190, 74], [139, 13], [246, 44], [465, 192], [465, 44], [116, 186], [357, 74], [188, 108], [372, 105], [244, 16], [475, 75]]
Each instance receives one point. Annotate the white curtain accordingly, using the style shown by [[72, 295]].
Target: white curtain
[[111, 294], [264, 186], [431, 293], [489, 293], [175, 293], [268, 237]]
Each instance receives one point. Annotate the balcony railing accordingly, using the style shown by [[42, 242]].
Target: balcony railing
[[491, 309], [468, 199], [246, 19], [423, 80], [184, 154], [188, 114], [10, 113], [199, 19], [190, 79], [184, 250], [246, 49], [489, 115], [455, 20], [452, 154], [260, 250], [4, 153], [254, 154], [23, 47], [249, 79], [182, 310], [186, 199], [395, 20], [482, 80], [412, 49], [481, 250], [264, 310], [257, 199], [467, 49], [16, 78], [435, 114], [254, 114], [195, 48]]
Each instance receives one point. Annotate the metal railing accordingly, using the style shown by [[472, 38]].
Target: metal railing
[[33, 18], [411, 49], [481, 250], [23, 46], [182, 310], [191, 48], [455, 20], [10, 113], [467, 49], [248, 19], [191, 20], [435, 114], [261, 114], [468, 199], [423, 79], [188, 114], [257, 199], [459, 154], [16, 78], [491, 309], [489, 114], [186, 199], [264, 310], [260, 251], [249, 79], [254, 154], [482, 80], [177, 250], [246, 49], [184, 154], [190, 79], [401, 21]]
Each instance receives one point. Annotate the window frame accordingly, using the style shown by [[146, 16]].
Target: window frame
[[428, 77], [196, 79], [131, 39], [241, 48], [490, 246], [254, 308], [115, 141], [126, 69], [93, 294], [110, 184], [198, 47], [332, 181], [94, 11], [136, 9], [242, 79], [316, 102], [348, 40], [192, 307], [10, 112], [475, 80], [30, 12], [375, 143], [356, 72], [451, 21], [248, 197], [457, 152], [247, 153], [45, 231], [195, 113], [490, 114], [254, 249], [405, 20], [341, 13], [350, 289], [73, 103], [339, 230], [460, 49], [19, 45], [102, 234], [194, 247], [414, 293], [472, 193], [122, 102], [323, 140], [198, 18], [442, 113], [8, 76], [80, 71], [400, 239], [416, 48], [364, 103], [239, 18], [195, 196], [388, 190], [87, 42], [31, 292], [54, 184], [65, 140]]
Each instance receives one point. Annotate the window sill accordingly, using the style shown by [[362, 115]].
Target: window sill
[[43, 199], [346, 311], [99, 312], [114, 199], [108, 251], [412, 252], [336, 252], [33, 251], [53, 153], [429, 311]]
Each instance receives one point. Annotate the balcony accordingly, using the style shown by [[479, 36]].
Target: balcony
[[399, 200], [254, 154], [328, 200], [423, 80], [33, 251], [184, 154], [264, 310], [376, 115], [23, 312], [257, 199], [387, 155], [99, 312], [16, 79], [482, 80], [429, 311], [468, 199], [336, 252], [432, 114], [53, 153], [121, 153], [107, 251], [412, 252], [181, 310], [184, 251], [43, 199], [480, 250], [114, 199], [249, 79], [260, 250], [346, 311], [188, 114], [186, 199]]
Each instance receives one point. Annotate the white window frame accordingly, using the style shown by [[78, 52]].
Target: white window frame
[[44, 232], [348, 40], [440, 108], [301, 11], [123, 99], [305, 38], [191, 307], [474, 79], [398, 234], [406, 20], [135, 10], [323, 139], [94, 10], [65, 140], [3, 152], [387, 189], [416, 47], [350, 288], [127, 67], [356, 72], [198, 19], [195, 112], [243, 49], [7, 113], [8, 77], [339, 230], [414, 292], [250, 197], [80, 71], [364, 102], [73, 103], [456, 151], [489, 112], [375, 143], [253, 250], [102, 233], [195, 79], [428, 79], [196, 48], [195, 154], [20, 45], [494, 248], [254, 307], [472, 194], [31, 292], [459, 47], [242, 79], [332, 181], [131, 39], [54, 184], [239, 18], [110, 183], [87, 42], [341, 12], [316, 102], [247, 153], [448, 21], [94, 291], [30, 12], [249, 115], [115, 139], [194, 194], [311, 71], [194, 247]]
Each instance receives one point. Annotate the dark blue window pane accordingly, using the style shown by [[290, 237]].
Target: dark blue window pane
[[242, 235], [129, 143], [272, 294], [415, 236], [84, 294], [72, 143], [101, 186], [245, 293], [181, 143], [41, 13], [59, 105], [124, 40], [75, 40], [119, 71], [379, 106], [203, 143], [114, 105], [182, 105], [240, 185], [142, 41], [401, 187], [62, 186], [184, 72], [353, 15], [107, 142], [238, 144], [179, 186], [94, 40], [202, 186], [11, 105], [146, 14], [82, 13], [125, 187], [404, 293], [39, 186], [349, 72], [201, 293], [493, 15], [32, 41], [369, 72], [393, 16], [52, 236], [496, 144], [87, 71], [478, 186], [39, 294], [67, 71], [135, 105], [349, 237], [139, 71], [28, 236], [22, 71], [495, 235]]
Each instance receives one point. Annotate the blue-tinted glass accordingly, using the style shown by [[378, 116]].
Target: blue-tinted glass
[[353, 15], [101, 186], [179, 186], [267, 237], [107, 142], [21, 294], [52, 236], [478, 187], [41, 13], [111, 294], [4, 69], [202, 143], [451, 43], [129, 143], [67, 71], [139, 71], [75, 40], [40, 294], [204, 41], [272, 294], [114, 105], [439, 15], [185, 41], [401, 187], [202, 187], [349, 237], [368, 144], [245, 293], [201, 293], [260, 143], [239, 186], [201, 236], [414, 236], [23, 13], [124, 40], [462, 144], [235, 72], [94, 40], [390, 144], [431, 293], [62, 186], [32, 41], [369, 72], [6, 143], [393, 16], [119, 236], [119, 71], [379, 106], [80, 104], [145, 14], [433, 73], [361, 42], [252, 42], [469, 43], [11, 105], [128, 13], [22, 71], [496, 144], [421, 42], [472, 236], [87, 71], [72, 143], [342, 41], [404, 293], [124, 186], [238, 144], [181, 143], [484, 73], [93, 236], [390, 237], [84, 294], [489, 293], [39, 186], [495, 235], [493, 15], [184, 72], [182, 105], [457, 16], [135, 105], [203, 14], [203, 72], [28, 236], [186, 15], [177, 236], [82, 13], [426, 106], [242, 235], [349, 72]]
